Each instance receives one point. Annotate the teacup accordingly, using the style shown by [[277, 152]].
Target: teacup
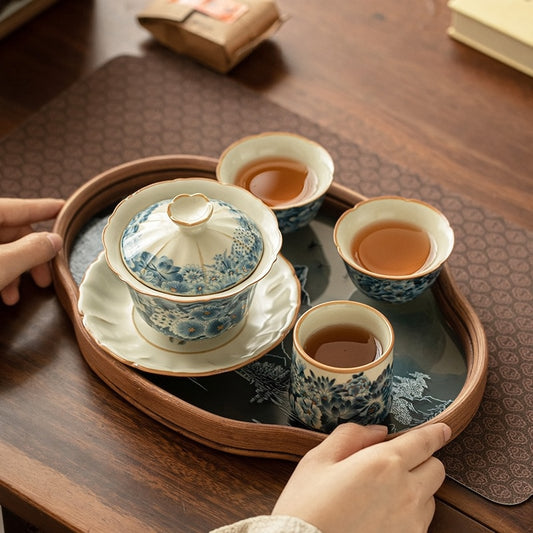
[[393, 248], [288, 172], [341, 369]]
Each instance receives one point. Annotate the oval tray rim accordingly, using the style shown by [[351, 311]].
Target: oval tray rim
[[229, 435]]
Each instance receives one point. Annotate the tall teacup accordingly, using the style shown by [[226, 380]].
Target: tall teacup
[[341, 366]]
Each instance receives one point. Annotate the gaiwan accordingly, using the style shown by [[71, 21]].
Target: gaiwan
[[191, 252]]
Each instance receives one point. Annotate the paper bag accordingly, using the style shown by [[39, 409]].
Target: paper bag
[[217, 33]]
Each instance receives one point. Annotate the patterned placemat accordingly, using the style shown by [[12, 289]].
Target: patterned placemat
[[164, 104]]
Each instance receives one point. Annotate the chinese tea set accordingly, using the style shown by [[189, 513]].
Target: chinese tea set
[[193, 251]]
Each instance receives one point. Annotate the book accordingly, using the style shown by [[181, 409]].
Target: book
[[502, 29], [14, 13]]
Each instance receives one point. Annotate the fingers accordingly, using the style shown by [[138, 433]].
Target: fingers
[[347, 439], [28, 253], [22, 212], [42, 275], [418, 445], [24, 250], [366, 483], [10, 294], [12, 233]]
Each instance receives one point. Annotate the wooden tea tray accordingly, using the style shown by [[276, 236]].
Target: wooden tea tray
[[220, 432]]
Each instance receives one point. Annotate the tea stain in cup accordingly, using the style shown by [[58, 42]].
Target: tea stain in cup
[[343, 346], [392, 248], [278, 181]]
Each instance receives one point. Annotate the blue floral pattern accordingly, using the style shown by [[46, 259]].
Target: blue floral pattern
[[320, 402], [215, 274], [293, 218], [392, 290], [192, 321]]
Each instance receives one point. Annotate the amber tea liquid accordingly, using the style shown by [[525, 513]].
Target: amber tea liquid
[[277, 181], [392, 248], [343, 346]]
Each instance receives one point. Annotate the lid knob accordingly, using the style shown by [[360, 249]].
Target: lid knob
[[190, 211]]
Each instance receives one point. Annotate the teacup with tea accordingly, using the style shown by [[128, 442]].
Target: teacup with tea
[[393, 248], [341, 367], [289, 173]]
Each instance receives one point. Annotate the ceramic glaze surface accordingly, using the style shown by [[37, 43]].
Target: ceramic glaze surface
[[392, 290], [191, 259], [196, 315], [322, 396], [194, 321], [292, 218], [282, 145], [107, 311], [359, 399]]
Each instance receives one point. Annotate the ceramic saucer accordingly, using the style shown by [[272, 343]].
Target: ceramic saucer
[[108, 316]]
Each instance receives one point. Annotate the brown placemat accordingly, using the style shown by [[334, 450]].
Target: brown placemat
[[165, 104]]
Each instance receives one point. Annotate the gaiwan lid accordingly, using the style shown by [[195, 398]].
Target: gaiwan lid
[[191, 245]]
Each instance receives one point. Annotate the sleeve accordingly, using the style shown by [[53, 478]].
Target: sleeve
[[269, 524]]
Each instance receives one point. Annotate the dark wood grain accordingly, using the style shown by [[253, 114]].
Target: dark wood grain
[[384, 76], [74, 455]]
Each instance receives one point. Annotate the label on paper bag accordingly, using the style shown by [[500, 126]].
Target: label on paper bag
[[225, 10], [217, 33]]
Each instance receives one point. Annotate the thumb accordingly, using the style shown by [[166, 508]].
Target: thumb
[[26, 253]]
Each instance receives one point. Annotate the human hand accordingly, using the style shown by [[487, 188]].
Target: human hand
[[354, 481], [21, 248]]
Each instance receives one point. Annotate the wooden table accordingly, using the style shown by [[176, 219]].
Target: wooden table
[[74, 455]]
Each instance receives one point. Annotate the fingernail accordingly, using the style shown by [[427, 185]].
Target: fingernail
[[447, 430], [56, 240]]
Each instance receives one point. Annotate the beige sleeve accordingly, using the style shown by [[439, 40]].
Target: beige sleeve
[[269, 524]]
